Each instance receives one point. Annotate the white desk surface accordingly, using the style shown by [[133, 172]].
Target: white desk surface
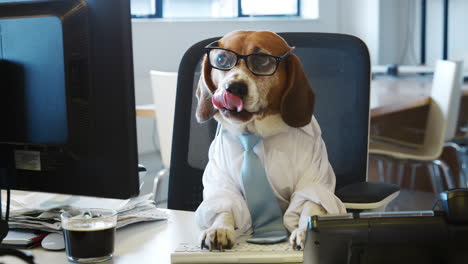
[[151, 242]]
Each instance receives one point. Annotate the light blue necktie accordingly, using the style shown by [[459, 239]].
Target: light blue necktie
[[267, 219]]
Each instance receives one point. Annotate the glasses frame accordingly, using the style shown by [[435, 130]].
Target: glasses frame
[[214, 45]]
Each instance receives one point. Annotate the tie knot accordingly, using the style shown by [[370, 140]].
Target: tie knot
[[248, 141]]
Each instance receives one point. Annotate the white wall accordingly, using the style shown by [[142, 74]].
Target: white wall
[[361, 18], [388, 28], [399, 31], [160, 44], [398, 21]]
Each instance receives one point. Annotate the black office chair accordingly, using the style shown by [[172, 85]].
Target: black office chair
[[338, 69]]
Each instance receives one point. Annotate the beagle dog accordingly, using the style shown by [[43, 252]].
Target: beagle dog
[[251, 82]]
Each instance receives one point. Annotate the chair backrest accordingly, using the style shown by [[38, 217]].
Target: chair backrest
[[444, 107], [164, 86], [338, 69]]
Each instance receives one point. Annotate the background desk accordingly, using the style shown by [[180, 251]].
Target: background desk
[[399, 109], [146, 110], [142, 243]]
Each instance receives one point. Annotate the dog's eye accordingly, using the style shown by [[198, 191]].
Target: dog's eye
[[262, 64], [223, 61], [260, 60]]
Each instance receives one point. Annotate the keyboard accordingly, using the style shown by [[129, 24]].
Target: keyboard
[[242, 252]]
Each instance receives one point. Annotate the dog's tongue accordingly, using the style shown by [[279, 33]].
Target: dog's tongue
[[223, 99]]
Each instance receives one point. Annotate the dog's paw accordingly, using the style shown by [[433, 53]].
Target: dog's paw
[[297, 239], [218, 238]]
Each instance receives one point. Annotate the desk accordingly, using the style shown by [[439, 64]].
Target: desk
[[388, 96], [399, 109], [141, 243], [145, 110]]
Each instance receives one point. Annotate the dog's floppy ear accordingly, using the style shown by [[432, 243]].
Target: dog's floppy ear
[[205, 109], [297, 104]]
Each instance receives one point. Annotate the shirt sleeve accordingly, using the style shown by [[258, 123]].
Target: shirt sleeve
[[315, 179], [221, 192]]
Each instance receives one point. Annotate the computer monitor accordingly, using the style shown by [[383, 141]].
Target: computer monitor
[[67, 106]]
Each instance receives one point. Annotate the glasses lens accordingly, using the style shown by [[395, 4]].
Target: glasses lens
[[222, 59], [261, 64]]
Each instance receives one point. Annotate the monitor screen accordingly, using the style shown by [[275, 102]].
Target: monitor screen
[[67, 109]]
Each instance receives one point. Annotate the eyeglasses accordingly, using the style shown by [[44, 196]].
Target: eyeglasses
[[258, 63]]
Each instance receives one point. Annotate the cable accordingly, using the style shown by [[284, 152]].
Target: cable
[[7, 216], [1, 211], [413, 22], [409, 35], [26, 257]]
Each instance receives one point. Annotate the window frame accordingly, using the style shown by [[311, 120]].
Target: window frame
[[159, 11]]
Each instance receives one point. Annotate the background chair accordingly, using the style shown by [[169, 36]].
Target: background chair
[[164, 86], [441, 126], [338, 69], [461, 137]]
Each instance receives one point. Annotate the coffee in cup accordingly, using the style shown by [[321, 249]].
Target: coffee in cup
[[89, 234]]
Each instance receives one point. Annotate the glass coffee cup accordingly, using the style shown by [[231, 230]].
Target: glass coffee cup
[[89, 234]]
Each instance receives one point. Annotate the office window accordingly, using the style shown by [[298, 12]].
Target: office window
[[145, 8], [269, 8], [199, 8], [224, 8]]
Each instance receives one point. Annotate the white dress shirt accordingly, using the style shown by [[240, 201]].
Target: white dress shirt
[[297, 167]]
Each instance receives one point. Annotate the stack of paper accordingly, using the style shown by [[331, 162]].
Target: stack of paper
[[41, 211], [23, 239]]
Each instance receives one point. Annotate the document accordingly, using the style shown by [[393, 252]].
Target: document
[[41, 211]]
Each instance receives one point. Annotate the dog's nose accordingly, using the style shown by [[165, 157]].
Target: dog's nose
[[237, 88]]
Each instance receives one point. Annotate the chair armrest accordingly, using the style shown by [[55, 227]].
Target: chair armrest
[[162, 175], [141, 174], [367, 195]]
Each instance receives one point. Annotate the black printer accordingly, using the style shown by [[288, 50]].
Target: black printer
[[392, 237]]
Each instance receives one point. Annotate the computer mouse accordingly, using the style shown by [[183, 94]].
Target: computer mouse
[[53, 241]]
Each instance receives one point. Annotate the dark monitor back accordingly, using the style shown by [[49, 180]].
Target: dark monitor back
[[67, 109]]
